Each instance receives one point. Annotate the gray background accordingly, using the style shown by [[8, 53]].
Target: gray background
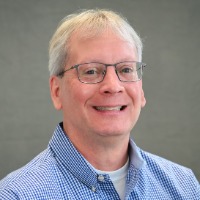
[[169, 124]]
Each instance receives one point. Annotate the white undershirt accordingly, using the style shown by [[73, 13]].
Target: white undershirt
[[118, 178]]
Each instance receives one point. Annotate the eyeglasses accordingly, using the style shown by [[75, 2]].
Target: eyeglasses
[[94, 72]]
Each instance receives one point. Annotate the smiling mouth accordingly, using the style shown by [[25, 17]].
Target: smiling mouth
[[108, 108]]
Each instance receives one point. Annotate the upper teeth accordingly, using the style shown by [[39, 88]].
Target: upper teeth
[[109, 108]]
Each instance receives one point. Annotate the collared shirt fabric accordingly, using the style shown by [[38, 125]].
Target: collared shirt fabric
[[61, 172]]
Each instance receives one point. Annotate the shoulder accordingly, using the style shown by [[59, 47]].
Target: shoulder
[[157, 163], [29, 178], [169, 174]]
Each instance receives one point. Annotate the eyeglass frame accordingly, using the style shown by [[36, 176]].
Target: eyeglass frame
[[61, 74]]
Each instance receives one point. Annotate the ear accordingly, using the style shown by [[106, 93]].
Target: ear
[[55, 91], [143, 99]]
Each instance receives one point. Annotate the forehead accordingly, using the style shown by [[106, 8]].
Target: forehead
[[107, 45]]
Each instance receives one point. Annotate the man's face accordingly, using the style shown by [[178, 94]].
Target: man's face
[[109, 108]]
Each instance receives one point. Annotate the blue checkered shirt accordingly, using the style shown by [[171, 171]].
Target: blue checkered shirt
[[61, 172]]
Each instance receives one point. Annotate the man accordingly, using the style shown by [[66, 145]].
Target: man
[[95, 79]]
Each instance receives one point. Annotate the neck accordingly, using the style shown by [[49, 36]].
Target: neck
[[106, 153], [106, 159]]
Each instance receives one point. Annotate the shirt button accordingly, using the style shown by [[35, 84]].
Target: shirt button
[[93, 189], [101, 178]]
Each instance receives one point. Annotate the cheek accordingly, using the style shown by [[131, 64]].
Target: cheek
[[77, 93], [137, 95]]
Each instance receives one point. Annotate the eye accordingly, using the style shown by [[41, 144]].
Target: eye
[[90, 71], [126, 69]]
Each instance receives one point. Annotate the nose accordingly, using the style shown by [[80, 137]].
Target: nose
[[111, 83]]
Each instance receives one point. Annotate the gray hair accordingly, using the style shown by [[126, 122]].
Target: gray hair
[[88, 24]]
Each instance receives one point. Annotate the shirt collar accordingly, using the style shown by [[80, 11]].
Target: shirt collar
[[70, 159], [135, 157]]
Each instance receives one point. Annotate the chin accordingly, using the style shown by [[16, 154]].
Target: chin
[[114, 132]]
